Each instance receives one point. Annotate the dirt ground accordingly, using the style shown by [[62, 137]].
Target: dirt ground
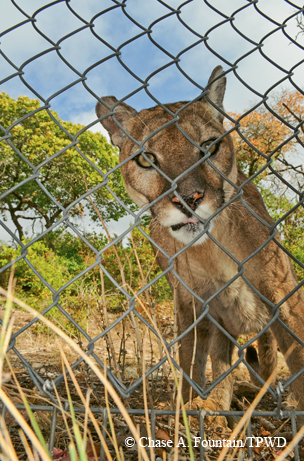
[[129, 341]]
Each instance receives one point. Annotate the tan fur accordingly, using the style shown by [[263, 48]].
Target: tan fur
[[204, 266]]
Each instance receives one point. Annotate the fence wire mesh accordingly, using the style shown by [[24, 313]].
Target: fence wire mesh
[[230, 35]]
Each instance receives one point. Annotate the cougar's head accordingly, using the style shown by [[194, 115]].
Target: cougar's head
[[176, 154]]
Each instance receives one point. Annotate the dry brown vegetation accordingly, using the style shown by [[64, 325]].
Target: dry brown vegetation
[[44, 352]]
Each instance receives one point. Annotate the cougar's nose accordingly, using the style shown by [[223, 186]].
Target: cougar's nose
[[192, 200]]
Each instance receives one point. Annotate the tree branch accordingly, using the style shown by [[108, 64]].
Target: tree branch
[[32, 204], [290, 166], [15, 221], [295, 116]]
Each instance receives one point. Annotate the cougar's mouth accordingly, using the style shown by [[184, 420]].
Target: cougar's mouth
[[191, 222]]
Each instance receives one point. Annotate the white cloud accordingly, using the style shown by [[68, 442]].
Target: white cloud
[[85, 118]]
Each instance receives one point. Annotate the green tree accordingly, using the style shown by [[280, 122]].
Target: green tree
[[37, 137], [291, 228]]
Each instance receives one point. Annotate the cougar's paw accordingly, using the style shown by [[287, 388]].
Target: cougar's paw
[[208, 405]]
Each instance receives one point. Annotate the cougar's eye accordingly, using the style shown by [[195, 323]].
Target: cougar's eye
[[141, 161], [213, 150]]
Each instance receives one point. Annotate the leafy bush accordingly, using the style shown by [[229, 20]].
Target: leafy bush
[[60, 257], [291, 228]]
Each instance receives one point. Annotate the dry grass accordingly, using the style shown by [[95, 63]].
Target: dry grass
[[57, 348]]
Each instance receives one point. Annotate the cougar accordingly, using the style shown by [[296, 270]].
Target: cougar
[[182, 163]]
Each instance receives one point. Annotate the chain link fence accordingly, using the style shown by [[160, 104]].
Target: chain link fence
[[136, 47]]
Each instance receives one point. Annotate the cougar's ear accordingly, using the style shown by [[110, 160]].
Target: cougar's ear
[[123, 113], [217, 86]]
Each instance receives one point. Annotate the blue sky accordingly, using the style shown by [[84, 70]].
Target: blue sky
[[48, 73]]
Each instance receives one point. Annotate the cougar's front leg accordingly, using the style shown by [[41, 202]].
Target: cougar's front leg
[[220, 397], [221, 358], [268, 356], [194, 348]]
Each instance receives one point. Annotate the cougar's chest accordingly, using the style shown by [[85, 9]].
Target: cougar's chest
[[239, 307]]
